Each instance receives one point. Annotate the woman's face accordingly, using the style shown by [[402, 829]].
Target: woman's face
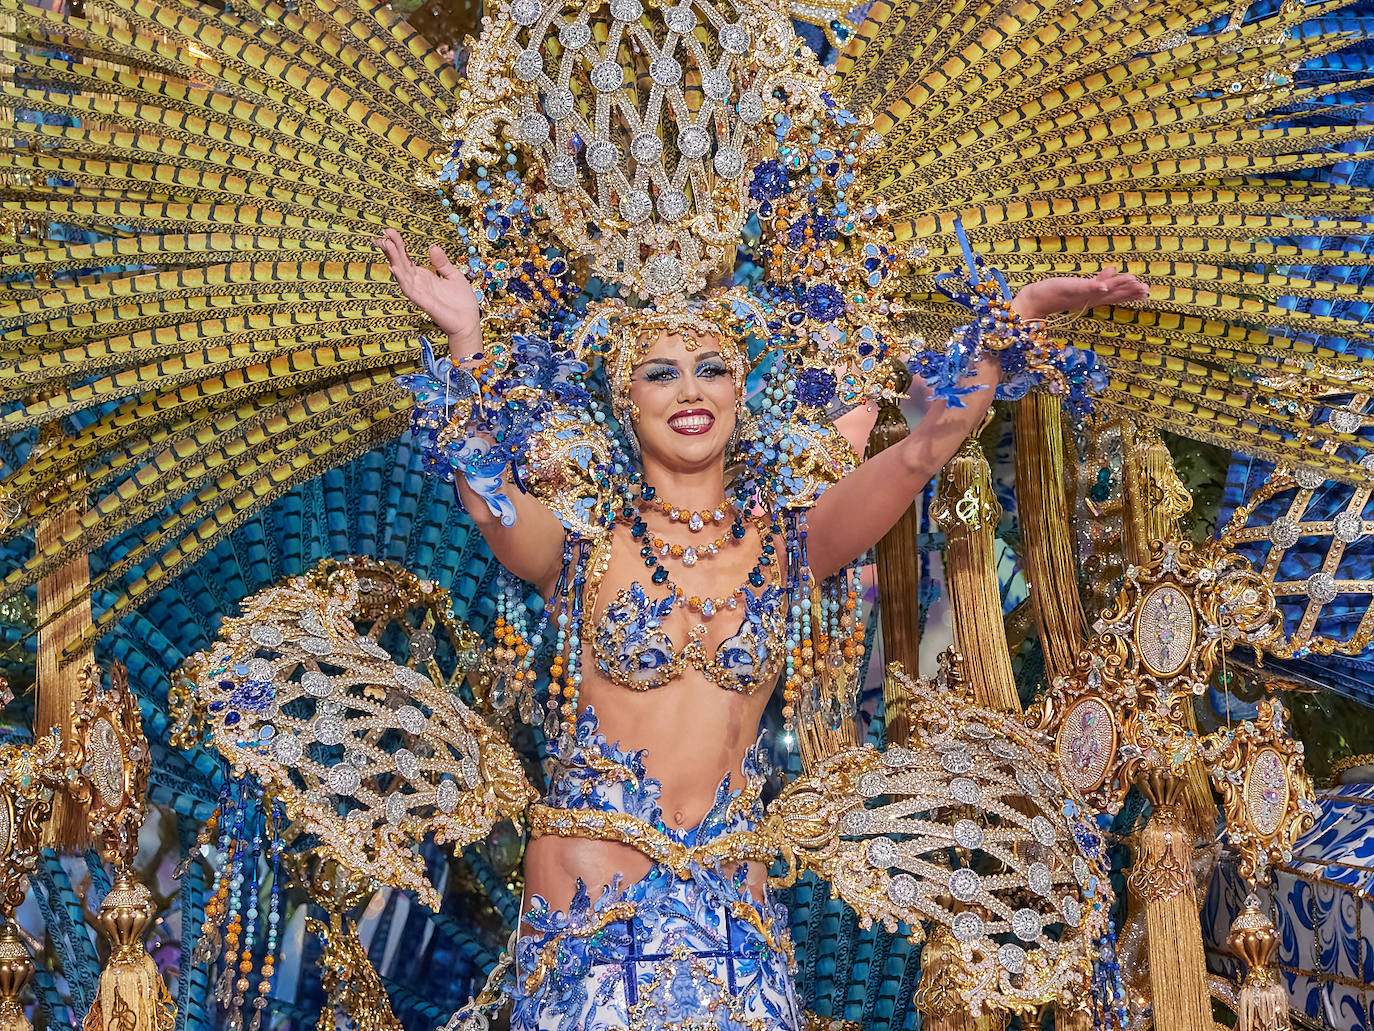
[[686, 402]]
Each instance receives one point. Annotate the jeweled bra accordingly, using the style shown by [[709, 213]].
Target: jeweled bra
[[632, 649]]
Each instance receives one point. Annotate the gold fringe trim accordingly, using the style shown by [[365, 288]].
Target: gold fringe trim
[[59, 684], [1072, 1019], [968, 512], [1047, 531], [1162, 880]]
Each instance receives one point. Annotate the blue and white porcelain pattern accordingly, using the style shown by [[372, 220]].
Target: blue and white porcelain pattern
[[677, 953], [1321, 908], [634, 651]]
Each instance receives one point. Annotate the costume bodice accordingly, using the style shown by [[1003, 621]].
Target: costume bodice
[[632, 648]]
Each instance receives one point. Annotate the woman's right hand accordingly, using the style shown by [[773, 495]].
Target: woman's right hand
[[443, 294]]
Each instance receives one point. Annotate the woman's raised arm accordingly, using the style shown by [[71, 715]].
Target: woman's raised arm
[[854, 514], [531, 548]]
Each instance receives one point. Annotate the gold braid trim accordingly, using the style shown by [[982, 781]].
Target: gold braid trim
[[736, 846]]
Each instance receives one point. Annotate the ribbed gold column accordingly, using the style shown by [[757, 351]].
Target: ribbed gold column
[[1046, 523], [899, 584]]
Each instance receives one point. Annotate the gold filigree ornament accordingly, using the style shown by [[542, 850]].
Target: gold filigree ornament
[[108, 761], [367, 753], [641, 129], [1266, 792], [1175, 615], [1157, 644], [970, 829], [350, 982], [106, 764], [564, 456], [28, 777]]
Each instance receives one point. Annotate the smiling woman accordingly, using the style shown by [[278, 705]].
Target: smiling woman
[[675, 620], [685, 407]]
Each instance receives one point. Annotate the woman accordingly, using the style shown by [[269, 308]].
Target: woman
[[679, 681]]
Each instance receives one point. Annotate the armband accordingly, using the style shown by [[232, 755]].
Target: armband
[[1029, 357], [474, 421]]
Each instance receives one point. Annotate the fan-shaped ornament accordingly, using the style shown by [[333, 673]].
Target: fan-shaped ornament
[[367, 753], [971, 828], [641, 132]]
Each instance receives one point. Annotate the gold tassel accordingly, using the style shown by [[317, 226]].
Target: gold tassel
[[1156, 500], [16, 968], [1263, 1003], [899, 584], [131, 992], [349, 980], [968, 512], [1047, 531], [1162, 880], [59, 683], [1071, 1018]]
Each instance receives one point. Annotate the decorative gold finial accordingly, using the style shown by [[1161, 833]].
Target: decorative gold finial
[[1263, 1003], [16, 968], [131, 992]]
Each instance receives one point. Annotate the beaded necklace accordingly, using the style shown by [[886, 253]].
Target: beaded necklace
[[657, 548], [695, 520]]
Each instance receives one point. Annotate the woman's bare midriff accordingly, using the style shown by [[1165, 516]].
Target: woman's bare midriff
[[695, 733]]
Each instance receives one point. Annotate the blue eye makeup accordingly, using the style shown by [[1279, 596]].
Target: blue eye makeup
[[659, 373], [711, 368], [666, 372]]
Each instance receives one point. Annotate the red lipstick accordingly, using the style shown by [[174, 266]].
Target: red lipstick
[[692, 422]]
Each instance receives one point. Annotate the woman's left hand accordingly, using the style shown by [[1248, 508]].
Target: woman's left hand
[[1077, 293]]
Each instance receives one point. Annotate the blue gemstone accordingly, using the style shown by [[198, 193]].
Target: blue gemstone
[[231, 718], [660, 574]]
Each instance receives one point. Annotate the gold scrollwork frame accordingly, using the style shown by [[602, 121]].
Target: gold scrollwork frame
[[29, 774], [1240, 755], [109, 754], [1141, 698]]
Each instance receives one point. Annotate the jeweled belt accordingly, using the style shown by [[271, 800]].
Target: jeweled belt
[[602, 825]]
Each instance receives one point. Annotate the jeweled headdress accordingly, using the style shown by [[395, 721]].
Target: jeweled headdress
[[617, 164]]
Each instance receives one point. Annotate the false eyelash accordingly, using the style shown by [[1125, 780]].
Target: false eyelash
[[713, 369], [661, 374]]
